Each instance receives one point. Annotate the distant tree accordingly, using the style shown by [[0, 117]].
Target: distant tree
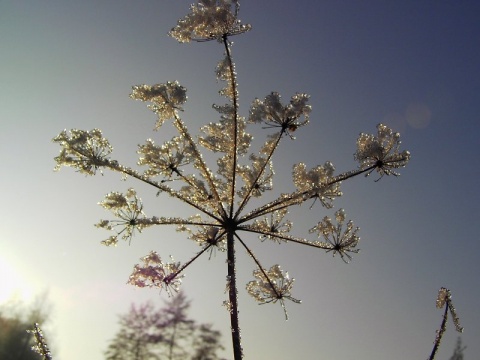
[[458, 352], [178, 328], [166, 333], [15, 319], [206, 343], [139, 330]]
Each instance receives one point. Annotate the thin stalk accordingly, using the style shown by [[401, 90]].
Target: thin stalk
[[172, 276], [232, 296], [235, 121], [293, 198], [288, 238], [260, 173], [259, 266], [178, 123], [439, 334], [162, 187]]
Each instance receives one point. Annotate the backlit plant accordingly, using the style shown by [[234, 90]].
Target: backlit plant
[[225, 202]]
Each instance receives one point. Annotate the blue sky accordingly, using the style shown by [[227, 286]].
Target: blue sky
[[413, 65]]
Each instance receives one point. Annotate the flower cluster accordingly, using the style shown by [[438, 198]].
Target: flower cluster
[[205, 235], [445, 297], [87, 151], [274, 114], [272, 227], [337, 239], [317, 183], [210, 20], [128, 209], [155, 273], [165, 160], [381, 152], [272, 286], [166, 99], [257, 178]]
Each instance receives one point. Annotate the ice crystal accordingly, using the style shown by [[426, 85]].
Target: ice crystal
[[224, 201]]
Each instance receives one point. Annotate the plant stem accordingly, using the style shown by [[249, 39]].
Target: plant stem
[[232, 296], [439, 334]]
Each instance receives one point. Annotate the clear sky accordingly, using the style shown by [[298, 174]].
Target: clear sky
[[413, 65]]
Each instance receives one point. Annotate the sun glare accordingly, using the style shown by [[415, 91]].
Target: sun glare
[[13, 286]]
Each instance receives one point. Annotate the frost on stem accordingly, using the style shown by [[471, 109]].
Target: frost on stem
[[258, 177], [272, 286], [155, 273], [381, 152], [210, 20], [444, 299], [87, 151], [337, 239], [40, 346], [223, 199]]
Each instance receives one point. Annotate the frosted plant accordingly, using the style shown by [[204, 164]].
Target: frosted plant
[[444, 299], [225, 203], [41, 346]]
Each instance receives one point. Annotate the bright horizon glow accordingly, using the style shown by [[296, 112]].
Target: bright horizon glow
[[14, 286]]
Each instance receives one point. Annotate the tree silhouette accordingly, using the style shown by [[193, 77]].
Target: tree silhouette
[[166, 333], [15, 321], [223, 203]]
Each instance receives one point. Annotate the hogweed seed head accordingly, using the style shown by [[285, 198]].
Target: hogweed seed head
[[86, 151], [209, 20], [381, 152], [166, 99], [223, 200], [337, 238], [272, 286]]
